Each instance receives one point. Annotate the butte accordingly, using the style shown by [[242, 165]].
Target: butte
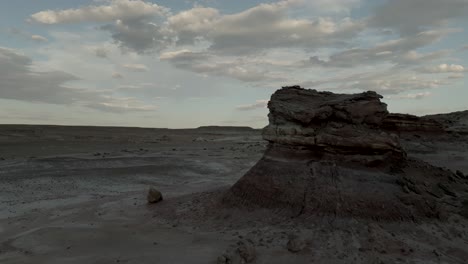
[[337, 154]]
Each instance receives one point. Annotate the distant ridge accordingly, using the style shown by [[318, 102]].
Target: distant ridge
[[454, 121], [228, 128], [451, 115]]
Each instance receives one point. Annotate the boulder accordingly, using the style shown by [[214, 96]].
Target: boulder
[[154, 196], [247, 252], [243, 252], [296, 244]]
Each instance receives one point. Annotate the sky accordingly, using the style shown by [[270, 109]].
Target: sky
[[183, 63]]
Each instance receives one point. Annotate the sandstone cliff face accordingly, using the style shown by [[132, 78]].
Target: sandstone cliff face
[[402, 123], [456, 122], [339, 126], [332, 154]]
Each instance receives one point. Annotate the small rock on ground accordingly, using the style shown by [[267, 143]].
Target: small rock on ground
[[154, 196], [295, 244], [245, 253]]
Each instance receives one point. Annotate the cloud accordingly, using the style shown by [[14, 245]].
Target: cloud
[[194, 23], [400, 54], [39, 38], [26, 35], [182, 56], [333, 6], [416, 96], [266, 44], [117, 75], [389, 81], [146, 27], [399, 51], [115, 10], [258, 104], [456, 76], [265, 26], [206, 63], [443, 68], [141, 36], [120, 105], [413, 16], [20, 81], [413, 57], [131, 26], [395, 84], [101, 52], [136, 67]]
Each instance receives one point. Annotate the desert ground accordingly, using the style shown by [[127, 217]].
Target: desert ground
[[78, 195]]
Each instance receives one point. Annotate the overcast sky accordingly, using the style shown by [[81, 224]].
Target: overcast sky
[[181, 63]]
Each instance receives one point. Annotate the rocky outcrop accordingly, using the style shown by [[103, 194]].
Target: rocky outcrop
[[455, 122], [403, 123], [331, 154], [335, 126]]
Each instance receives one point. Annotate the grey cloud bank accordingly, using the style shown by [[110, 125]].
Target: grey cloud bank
[[209, 51], [20, 82]]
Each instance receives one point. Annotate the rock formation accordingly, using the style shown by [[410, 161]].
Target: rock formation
[[334, 126], [330, 154], [456, 122], [403, 123]]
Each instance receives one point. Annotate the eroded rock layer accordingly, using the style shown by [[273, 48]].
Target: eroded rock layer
[[335, 126], [403, 123], [330, 154]]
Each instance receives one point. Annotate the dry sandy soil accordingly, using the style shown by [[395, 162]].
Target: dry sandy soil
[[78, 195]]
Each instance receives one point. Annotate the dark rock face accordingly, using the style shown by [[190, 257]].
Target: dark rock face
[[335, 126], [456, 122], [330, 154], [401, 123]]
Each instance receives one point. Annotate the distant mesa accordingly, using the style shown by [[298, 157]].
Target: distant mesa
[[226, 128], [339, 154]]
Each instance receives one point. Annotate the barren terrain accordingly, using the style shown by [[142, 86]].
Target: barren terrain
[[78, 195]]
